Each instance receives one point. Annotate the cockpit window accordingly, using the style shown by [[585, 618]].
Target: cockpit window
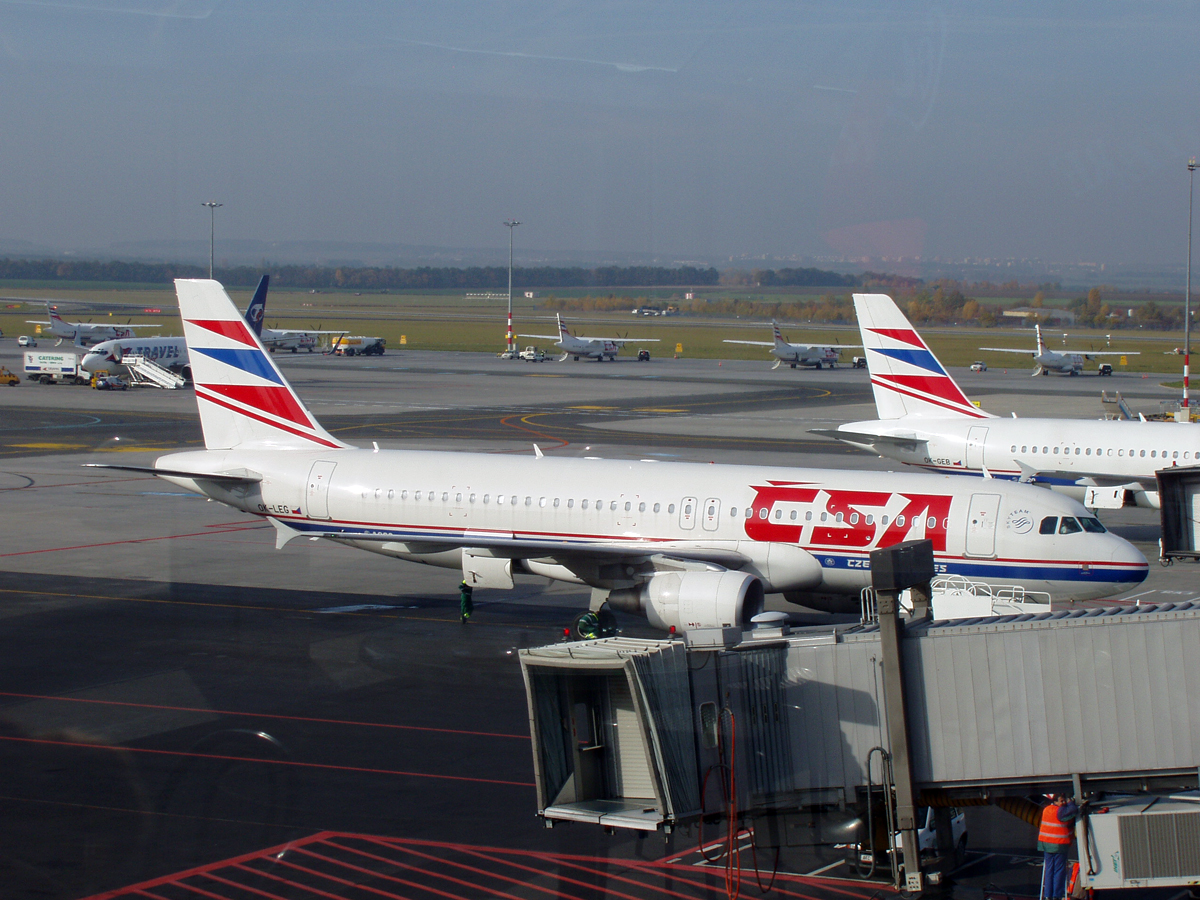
[[1049, 525], [1092, 524], [1069, 525]]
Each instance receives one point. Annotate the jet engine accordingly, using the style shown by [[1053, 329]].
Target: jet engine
[[688, 600]]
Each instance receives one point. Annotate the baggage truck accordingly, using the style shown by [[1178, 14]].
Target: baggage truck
[[49, 367]]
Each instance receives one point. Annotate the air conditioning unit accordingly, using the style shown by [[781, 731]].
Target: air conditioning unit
[[1143, 841]]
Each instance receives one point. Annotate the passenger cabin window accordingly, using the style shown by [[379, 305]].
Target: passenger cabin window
[[1049, 525], [1069, 525], [670, 507]]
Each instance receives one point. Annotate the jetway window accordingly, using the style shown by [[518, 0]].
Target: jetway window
[[1049, 525], [1069, 525]]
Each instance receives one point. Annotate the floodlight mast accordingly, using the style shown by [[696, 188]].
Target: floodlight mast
[[511, 223], [212, 231], [1187, 298]]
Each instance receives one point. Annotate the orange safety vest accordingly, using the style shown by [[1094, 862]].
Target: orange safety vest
[[1053, 831]]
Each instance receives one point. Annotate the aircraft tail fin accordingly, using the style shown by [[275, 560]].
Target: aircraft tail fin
[[257, 309], [906, 377], [244, 400], [780, 343], [563, 334], [1041, 345]]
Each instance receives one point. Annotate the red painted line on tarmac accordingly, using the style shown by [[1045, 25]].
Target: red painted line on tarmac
[[228, 712], [270, 762], [611, 876], [164, 537], [250, 890], [201, 891], [488, 873], [559, 441], [345, 865], [208, 867], [343, 881], [536, 871]]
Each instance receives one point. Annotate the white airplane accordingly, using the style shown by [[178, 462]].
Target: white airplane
[[926, 420], [815, 355], [169, 352], [278, 338], [685, 544], [85, 333], [1065, 362], [588, 347]]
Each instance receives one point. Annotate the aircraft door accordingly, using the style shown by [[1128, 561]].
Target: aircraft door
[[976, 439], [981, 525], [317, 500], [711, 513], [687, 513]]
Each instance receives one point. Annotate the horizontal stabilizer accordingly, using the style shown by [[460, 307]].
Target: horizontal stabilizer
[[240, 476], [902, 441]]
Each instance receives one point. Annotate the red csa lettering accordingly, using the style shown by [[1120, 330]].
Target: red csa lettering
[[759, 526], [845, 504], [927, 506]]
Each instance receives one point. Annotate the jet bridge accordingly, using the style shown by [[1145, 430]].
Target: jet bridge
[[1179, 498], [637, 733]]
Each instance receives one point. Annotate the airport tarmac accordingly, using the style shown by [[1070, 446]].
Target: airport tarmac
[[176, 694]]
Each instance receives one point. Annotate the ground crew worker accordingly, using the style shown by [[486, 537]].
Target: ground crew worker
[[1054, 840], [465, 606]]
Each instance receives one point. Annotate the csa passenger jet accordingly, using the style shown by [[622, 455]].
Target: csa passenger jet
[[926, 420], [85, 333], [815, 355], [1064, 362], [687, 545], [590, 347]]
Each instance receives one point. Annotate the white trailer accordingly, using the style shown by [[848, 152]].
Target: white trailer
[[49, 367]]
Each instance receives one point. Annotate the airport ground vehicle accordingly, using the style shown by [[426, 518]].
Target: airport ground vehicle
[[48, 367], [979, 366], [927, 839], [8, 378], [26, 341], [643, 356], [109, 383], [533, 354], [359, 345], [508, 354], [1104, 369], [860, 362]]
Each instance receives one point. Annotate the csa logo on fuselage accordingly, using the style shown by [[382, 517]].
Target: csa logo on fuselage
[[796, 513]]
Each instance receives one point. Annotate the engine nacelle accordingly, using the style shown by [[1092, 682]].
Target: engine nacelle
[[688, 600]]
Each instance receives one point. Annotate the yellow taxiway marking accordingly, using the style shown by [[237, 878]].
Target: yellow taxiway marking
[[51, 446]]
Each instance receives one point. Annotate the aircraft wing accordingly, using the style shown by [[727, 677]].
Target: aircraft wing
[[544, 337], [275, 332], [752, 343], [1027, 352], [619, 340], [37, 321], [1100, 352], [902, 441]]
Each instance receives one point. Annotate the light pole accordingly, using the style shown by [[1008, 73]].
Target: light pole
[[1187, 299], [212, 230], [512, 223]]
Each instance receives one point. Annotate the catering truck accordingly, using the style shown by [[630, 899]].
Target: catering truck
[[49, 367]]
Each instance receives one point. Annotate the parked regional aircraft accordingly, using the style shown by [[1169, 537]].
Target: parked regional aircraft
[[278, 338], [85, 333], [687, 545], [1065, 362], [169, 352], [590, 347], [926, 420], [815, 355]]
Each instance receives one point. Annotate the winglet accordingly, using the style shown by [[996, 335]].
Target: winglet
[[537, 451]]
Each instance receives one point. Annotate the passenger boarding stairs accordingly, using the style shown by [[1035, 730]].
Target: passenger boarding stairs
[[145, 372]]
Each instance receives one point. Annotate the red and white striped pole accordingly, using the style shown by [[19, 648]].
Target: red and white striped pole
[[1187, 300]]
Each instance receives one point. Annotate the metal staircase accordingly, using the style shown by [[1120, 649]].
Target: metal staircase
[[147, 373]]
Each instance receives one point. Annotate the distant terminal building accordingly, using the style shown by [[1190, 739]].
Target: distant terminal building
[[1028, 312]]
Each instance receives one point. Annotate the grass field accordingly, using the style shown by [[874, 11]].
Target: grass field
[[450, 321]]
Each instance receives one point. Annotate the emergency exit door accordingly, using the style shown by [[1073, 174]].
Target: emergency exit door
[[317, 496], [981, 525]]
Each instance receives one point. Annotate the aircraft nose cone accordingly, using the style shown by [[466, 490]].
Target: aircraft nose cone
[[1130, 559]]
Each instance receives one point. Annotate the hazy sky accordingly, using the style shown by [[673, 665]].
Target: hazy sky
[[687, 130]]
